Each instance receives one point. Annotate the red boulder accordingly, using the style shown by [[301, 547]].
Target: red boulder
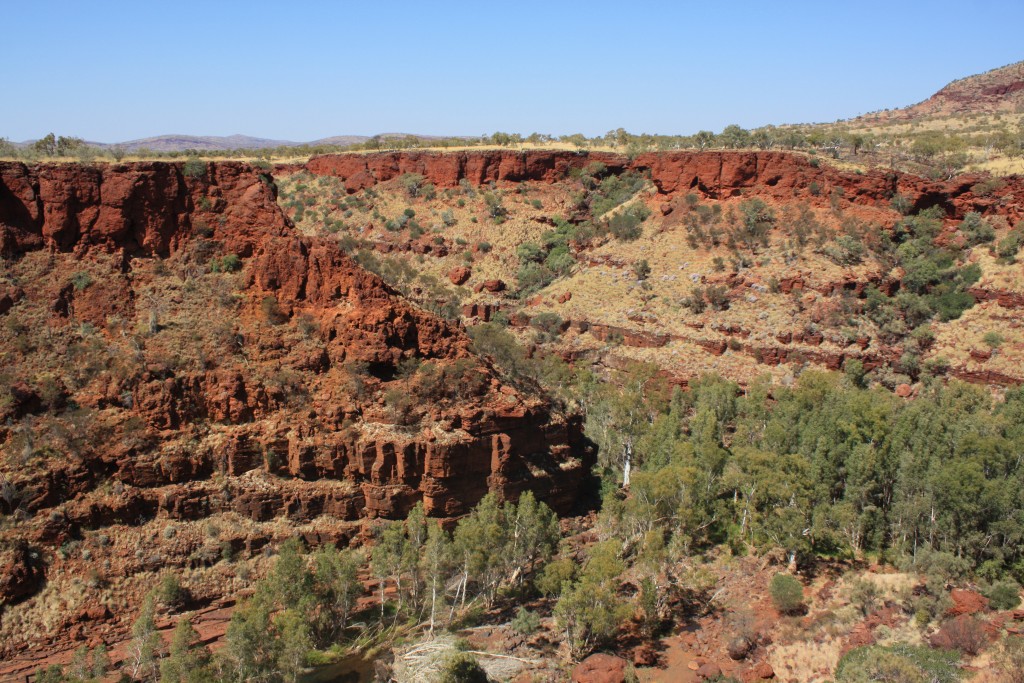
[[460, 275], [494, 286], [600, 668]]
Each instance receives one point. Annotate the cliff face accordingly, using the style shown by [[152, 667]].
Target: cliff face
[[717, 175], [147, 379], [145, 208]]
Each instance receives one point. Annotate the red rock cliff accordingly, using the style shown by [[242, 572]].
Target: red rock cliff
[[716, 174], [143, 208]]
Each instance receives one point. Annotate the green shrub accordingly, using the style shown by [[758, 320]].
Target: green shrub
[[547, 322], [170, 592], [1003, 595], [80, 280], [845, 251], [901, 204], [976, 229], [462, 667], [52, 674], [194, 168], [613, 190], [626, 225], [865, 595], [227, 551], [718, 297], [227, 264], [412, 183], [525, 622], [993, 339], [529, 252], [533, 277], [641, 269], [987, 187], [1008, 247], [695, 302], [559, 260], [787, 593], [495, 209]]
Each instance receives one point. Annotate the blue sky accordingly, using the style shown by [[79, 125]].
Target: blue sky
[[113, 71]]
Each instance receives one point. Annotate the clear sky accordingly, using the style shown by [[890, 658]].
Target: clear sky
[[114, 71]]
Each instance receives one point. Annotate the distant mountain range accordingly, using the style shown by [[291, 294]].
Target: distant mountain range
[[180, 143]]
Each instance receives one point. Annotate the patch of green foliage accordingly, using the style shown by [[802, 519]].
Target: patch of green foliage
[[787, 594], [825, 468], [900, 662], [226, 264], [541, 264], [613, 190], [936, 279]]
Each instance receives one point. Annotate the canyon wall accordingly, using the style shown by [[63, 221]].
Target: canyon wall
[[200, 411], [715, 174]]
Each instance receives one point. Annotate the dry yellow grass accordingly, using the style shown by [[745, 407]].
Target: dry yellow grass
[[805, 661]]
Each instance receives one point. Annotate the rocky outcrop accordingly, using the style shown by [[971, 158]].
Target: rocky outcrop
[[1005, 298], [20, 573], [622, 335], [784, 175]]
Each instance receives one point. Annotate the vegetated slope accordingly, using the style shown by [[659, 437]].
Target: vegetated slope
[[186, 379], [998, 90], [748, 262]]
